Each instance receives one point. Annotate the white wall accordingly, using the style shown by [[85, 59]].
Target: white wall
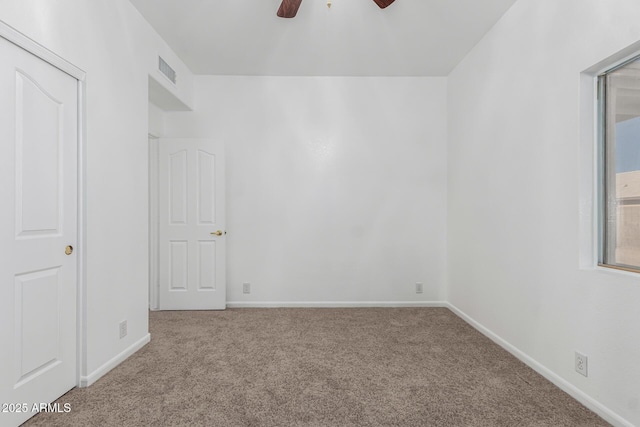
[[156, 120], [118, 50], [336, 187], [515, 151]]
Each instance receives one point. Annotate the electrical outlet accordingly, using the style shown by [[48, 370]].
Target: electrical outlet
[[581, 364], [246, 288], [123, 329], [418, 288]]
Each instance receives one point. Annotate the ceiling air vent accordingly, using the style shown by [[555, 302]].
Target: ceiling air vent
[[165, 69]]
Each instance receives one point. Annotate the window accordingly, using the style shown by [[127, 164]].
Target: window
[[619, 168]]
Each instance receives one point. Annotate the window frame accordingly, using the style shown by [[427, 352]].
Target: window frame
[[603, 152]]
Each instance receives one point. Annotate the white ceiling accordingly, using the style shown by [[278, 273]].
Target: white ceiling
[[353, 38]]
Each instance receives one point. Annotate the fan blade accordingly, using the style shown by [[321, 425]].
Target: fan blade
[[383, 3], [289, 8]]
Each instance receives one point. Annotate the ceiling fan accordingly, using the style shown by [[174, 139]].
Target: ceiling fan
[[289, 8]]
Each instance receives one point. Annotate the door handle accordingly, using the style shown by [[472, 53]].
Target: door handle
[[68, 250], [216, 233]]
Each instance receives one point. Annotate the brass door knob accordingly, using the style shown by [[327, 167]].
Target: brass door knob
[[68, 250], [216, 233]]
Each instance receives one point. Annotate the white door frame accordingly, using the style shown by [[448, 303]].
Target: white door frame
[[14, 36], [154, 257]]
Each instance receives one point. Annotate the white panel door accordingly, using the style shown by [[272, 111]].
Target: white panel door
[[38, 221], [191, 225]]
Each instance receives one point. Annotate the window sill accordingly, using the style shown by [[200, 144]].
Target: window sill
[[626, 271]]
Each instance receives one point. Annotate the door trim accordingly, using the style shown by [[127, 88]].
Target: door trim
[[36, 49], [154, 256], [33, 47]]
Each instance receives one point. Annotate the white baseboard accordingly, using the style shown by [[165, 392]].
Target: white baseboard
[[86, 381], [332, 304], [597, 407]]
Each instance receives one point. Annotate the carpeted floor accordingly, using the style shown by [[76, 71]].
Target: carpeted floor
[[319, 367]]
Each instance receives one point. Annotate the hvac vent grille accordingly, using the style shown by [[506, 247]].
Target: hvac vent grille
[[165, 69]]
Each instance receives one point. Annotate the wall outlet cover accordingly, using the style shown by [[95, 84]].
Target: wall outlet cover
[[581, 364], [123, 329]]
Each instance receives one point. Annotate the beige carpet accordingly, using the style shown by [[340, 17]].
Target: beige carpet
[[319, 367]]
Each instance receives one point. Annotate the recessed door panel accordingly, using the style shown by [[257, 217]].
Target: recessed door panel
[[37, 321], [179, 265], [207, 265], [206, 188], [178, 187], [39, 135]]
